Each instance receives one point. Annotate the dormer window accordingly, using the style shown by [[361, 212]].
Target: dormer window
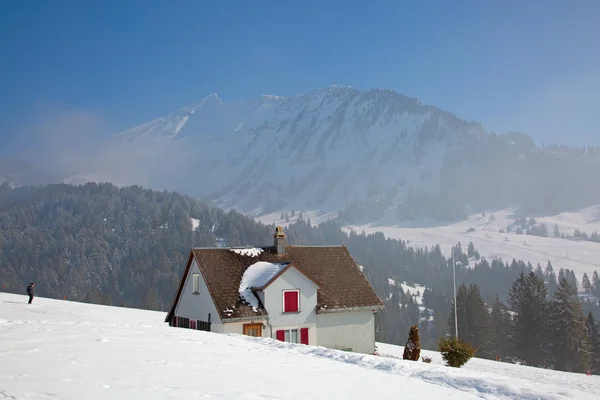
[[291, 301]]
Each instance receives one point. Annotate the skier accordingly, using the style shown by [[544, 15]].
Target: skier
[[30, 291]]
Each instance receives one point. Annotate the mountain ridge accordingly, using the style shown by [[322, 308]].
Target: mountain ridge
[[335, 149]]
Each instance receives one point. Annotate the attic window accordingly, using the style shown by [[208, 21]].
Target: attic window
[[196, 283], [291, 301]]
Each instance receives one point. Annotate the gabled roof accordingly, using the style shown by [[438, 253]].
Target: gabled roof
[[341, 284], [282, 271]]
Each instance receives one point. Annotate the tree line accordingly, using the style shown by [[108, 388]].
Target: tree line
[[534, 327]]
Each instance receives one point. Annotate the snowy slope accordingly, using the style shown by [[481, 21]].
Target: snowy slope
[[60, 349], [540, 379], [579, 256]]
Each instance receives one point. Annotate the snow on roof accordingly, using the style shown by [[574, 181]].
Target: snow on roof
[[257, 275], [248, 251]]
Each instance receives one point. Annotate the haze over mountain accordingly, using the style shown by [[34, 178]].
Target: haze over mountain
[[374, 153], [19, 173]]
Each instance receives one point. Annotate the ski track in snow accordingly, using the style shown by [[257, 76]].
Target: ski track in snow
[[67, 350]]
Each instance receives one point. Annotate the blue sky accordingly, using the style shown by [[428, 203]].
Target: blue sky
[[529, 66]]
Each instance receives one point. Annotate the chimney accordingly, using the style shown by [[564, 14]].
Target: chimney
[[279, 240]]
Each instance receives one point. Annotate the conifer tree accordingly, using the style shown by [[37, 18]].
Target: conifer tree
[[570, 349], [572, 279], [471, 250], [527, 299], [500, 325], [593, 335], [550, 279], [596, 284], [586, 284], [461, 311], [474, 325]]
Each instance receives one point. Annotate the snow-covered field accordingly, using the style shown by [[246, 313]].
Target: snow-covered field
[[66, 350], [316, 217], [579, 256]]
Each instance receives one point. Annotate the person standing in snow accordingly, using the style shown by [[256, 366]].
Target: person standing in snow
[[30, 291]]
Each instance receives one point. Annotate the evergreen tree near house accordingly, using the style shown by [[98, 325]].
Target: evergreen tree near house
[[501, 330], [474, 324], [570, 350], [455, 352], [530, 323]]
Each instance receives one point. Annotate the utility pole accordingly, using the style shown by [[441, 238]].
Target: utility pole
[[454, 278]]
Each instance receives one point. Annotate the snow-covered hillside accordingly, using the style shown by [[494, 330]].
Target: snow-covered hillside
[[490, 237], [541, 380], [66, 350]]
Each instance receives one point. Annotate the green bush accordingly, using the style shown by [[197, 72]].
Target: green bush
[[426, 359], [455, 352]]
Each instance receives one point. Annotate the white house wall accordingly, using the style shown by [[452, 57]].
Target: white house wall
[[292, 279], [198, 306], [352, 330]]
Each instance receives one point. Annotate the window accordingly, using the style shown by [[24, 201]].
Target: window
[[291, 302], [196, 283], [291, 335], [288, 335]]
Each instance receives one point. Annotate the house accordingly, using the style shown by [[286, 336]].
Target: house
[[315, 295]]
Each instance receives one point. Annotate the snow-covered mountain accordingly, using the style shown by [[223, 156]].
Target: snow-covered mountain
[[330, 149]]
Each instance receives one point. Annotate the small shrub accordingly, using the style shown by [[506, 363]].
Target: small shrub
[[455, 352], [426, 359], [412, 350]]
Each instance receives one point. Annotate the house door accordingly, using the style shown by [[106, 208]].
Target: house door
[[253, 330]]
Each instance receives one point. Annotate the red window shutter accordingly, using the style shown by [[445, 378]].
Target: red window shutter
[[290, 301], [304, 336], [281, 336]]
